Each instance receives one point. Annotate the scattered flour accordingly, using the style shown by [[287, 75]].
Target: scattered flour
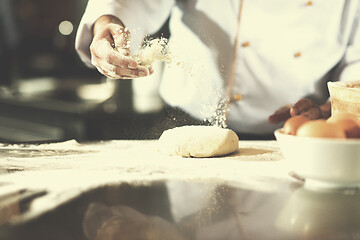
[[219, 118], [153, 50], [159, 49]]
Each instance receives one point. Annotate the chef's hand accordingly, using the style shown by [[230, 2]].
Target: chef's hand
[[110, 50], [304, 107]]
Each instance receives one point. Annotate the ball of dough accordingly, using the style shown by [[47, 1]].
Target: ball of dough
[[199, 141]]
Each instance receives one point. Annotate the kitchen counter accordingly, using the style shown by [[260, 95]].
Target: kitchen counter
[[100, 190]]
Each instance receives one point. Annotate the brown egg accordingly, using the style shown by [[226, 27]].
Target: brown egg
[[349, 123], [292, 124], [320, 128]]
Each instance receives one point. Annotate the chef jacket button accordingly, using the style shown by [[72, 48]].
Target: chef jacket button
[[237, 97], [245, 44], [297, 54], [309, 3]]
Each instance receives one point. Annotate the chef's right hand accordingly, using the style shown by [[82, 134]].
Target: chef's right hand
[[305, 107], [110, 50]]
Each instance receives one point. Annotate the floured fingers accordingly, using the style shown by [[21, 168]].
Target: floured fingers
[[119, 72]]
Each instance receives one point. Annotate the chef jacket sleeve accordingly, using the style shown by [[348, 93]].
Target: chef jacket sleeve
[[141, 17], [350, 66]]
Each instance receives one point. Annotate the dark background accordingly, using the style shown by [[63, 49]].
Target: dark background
[[32, 43], [35, 55]]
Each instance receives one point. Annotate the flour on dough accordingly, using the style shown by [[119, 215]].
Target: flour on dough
[[199, 141]]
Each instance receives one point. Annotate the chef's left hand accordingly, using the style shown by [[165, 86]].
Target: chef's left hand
[[305, 107]]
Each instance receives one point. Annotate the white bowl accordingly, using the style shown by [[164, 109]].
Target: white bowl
[[330, 162]]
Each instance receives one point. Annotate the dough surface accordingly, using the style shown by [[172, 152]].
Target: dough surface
[[199, 141]]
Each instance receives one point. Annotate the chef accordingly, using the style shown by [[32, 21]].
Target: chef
[[261, 56]]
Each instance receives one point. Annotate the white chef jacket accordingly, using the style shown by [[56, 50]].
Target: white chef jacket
[[287, 50]]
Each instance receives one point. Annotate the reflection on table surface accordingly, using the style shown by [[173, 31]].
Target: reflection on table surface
[[189, 210]]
